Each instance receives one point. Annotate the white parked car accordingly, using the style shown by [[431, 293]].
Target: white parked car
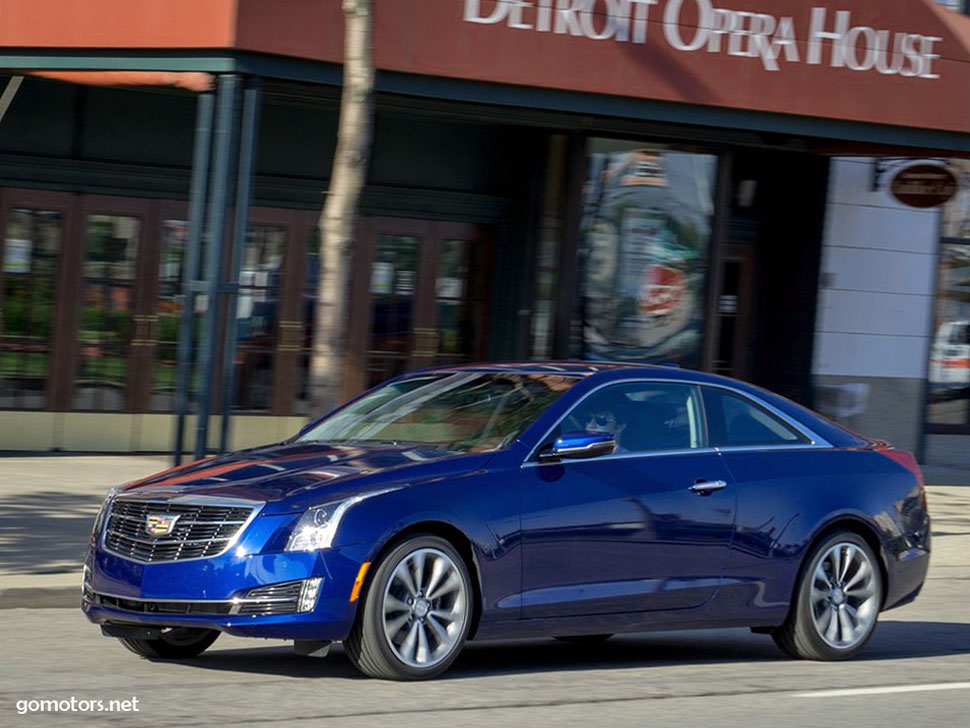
[[950, 358]]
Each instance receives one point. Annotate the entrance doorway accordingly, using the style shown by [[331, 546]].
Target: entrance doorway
[[733, 312], [419, 297]]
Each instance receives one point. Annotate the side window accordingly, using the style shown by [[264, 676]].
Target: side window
[[735, 421], [643, 416]]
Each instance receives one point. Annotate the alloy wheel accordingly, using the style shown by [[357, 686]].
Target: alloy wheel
[[844, 596], [425, 608]]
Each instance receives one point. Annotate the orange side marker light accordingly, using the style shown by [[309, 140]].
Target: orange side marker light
[[359, 581]]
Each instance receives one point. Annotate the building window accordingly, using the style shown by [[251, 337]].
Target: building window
[[28, 289], [393, 283], [308, 310], [451, 286], [171, 268], [257, 317], [647, 227], [949, 369], [108, 276]]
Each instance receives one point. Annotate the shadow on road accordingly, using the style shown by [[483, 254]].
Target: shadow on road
[[892, 641], [46, 531]]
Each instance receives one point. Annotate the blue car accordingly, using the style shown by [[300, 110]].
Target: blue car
[[569, 500]]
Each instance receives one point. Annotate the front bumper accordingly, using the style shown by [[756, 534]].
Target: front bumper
[[206, 592]]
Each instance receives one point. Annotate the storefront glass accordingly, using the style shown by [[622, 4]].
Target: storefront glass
[[647, 228], [28, 285], [111, 254], [949, 370], [949, 366], [257, 316], [171, 267]]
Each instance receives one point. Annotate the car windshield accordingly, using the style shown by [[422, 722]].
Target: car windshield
[[463, 411]]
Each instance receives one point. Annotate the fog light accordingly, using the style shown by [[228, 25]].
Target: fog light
[[308, 597]]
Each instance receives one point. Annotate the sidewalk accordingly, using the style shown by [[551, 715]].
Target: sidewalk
[[48, 504], [47, 507]]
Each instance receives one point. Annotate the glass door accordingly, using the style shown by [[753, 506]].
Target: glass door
[[34, 229], [418, 298], [733, 312], [116, 324]]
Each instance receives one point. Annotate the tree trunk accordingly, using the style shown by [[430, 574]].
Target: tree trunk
[[338, 222]]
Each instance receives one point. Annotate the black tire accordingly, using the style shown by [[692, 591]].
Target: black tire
[[583, 639], [179, 643], [800, 636], [367, 646]]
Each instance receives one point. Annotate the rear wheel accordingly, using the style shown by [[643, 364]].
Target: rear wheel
[[416, 613], [177, 643], [837, 603]]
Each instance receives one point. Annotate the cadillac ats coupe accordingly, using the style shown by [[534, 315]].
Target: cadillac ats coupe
[[567, 500]]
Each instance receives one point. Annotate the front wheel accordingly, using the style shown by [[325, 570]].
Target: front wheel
[[416, 612], [178, 643], [837, 602]]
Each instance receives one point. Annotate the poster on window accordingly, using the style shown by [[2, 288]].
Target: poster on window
[[647, 216]]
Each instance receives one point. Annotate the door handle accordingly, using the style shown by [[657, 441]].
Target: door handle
[[706, 487]]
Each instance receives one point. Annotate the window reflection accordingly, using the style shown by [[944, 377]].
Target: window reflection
[[257, 316], [393, 283], [168, 308], [451, 290], [308, 308], [110, 256], [28, 287], [949, 370], [647, 222]]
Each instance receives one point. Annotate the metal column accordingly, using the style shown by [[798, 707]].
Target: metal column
[[247, 153], [190, 270], [219, 199]]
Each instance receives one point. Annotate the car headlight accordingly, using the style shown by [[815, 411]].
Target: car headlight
[[317, 527]]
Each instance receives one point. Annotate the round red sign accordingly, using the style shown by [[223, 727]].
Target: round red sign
[[924, 185]]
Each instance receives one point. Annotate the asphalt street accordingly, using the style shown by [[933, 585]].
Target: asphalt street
[[713, 678]]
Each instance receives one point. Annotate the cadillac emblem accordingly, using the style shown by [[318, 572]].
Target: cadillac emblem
[[160, 524]]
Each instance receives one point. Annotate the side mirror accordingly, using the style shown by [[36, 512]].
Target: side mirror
[[579, 446]]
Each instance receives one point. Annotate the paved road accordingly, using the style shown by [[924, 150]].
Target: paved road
[[711, 679], [722, 678]]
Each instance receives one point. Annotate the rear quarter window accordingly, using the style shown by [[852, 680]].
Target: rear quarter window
[[736, 421]]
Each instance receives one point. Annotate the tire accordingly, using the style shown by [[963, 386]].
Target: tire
[[583, 639], [397, 639], [179, 643], [833, 614]]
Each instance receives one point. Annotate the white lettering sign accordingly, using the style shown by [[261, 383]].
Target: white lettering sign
[[831, 38]]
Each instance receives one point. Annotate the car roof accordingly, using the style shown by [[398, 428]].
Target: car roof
[[585, 369]]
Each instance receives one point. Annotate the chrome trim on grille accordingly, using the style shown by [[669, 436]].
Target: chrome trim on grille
[[217, 521]]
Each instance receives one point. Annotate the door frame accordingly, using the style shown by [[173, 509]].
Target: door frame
[[59, 375]]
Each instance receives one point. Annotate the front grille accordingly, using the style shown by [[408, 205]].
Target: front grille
[[201, 530]]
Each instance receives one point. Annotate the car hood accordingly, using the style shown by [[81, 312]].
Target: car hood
[[291, 476]]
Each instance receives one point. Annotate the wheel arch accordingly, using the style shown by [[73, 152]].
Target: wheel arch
[[450, 533], [854, 525]]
